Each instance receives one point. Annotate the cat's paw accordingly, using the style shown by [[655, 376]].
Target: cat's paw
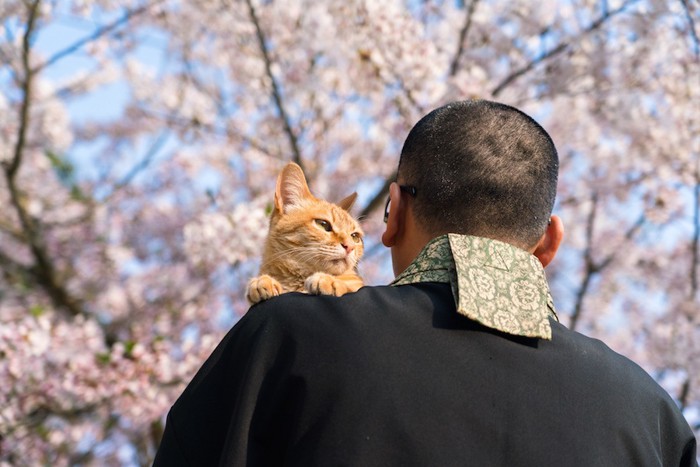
[[261, 288], [321, 283]]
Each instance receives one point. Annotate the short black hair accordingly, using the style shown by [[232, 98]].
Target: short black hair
[[481, 168]]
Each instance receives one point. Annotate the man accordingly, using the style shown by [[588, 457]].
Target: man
[[461, 361]]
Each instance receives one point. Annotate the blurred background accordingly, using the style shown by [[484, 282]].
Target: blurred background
[[140, 142]]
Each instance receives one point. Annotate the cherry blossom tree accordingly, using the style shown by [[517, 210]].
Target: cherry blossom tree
[[140, 144]]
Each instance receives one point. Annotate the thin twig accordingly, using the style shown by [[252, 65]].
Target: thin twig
[[691, 26], [144, 162], [379, 197], [634, 228], [695, 246], [556, 50], [141, 165], [276, 94], [592, 267], [463, 37], [589, 264], [685, 391], [532, 64], [100, 32]]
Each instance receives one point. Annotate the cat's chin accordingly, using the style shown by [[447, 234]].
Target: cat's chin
[[338, 266]]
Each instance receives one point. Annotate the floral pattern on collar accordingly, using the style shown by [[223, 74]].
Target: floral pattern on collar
[[494, 283]]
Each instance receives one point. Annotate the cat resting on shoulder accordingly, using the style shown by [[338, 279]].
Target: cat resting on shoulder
[[312, 246]]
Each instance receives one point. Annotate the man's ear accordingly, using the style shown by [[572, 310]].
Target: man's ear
[[548, 245], [395, 219]]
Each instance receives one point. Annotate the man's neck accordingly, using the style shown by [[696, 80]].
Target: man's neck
[[408, 249]]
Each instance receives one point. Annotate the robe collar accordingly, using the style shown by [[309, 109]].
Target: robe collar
[[494, 283]]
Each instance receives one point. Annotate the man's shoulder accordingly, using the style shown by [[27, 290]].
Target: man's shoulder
[[295, 305], [588, 348], [295, 313], [608, 383], [605, 367], [289, 305]]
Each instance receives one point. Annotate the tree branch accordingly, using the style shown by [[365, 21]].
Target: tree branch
[[463, 37], [144, 162], [13, 167], [100, 32], [691, 26], [379, 197], [628, 236], [276, 94], [212, 129], [563, 46], [695, 246], [589, 264], [11, 269], [683, 397], [592, 267], [43, 270]]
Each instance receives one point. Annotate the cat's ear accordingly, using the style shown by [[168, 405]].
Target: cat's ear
[[291, 188], [347, 202]]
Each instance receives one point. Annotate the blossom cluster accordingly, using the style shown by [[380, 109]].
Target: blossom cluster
[[220, 238]]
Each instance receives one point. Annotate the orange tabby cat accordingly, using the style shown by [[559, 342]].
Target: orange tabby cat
[[312, 246]]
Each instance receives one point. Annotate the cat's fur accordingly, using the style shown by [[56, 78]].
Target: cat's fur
[[312, 245]]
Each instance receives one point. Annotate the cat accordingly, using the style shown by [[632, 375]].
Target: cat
[[312, 246]]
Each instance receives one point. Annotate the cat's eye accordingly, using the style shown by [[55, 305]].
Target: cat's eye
[[357, 238], [325, 225]]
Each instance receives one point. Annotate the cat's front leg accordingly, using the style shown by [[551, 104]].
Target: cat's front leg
[[321, 283], [261, 288]]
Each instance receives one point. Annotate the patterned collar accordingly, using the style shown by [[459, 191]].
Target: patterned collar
[[494, 283]]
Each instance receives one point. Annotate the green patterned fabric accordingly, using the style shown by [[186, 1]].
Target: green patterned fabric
[[495, 283]]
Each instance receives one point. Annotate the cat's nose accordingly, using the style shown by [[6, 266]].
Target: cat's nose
[[348, 248]]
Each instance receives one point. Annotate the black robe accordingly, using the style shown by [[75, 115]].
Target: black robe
[[393, 376]]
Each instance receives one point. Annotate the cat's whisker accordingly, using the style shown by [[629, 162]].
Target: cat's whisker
[[324, 254], [305, 253], [289, 252]]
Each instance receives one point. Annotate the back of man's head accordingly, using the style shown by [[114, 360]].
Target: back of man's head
[[481, 168]]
